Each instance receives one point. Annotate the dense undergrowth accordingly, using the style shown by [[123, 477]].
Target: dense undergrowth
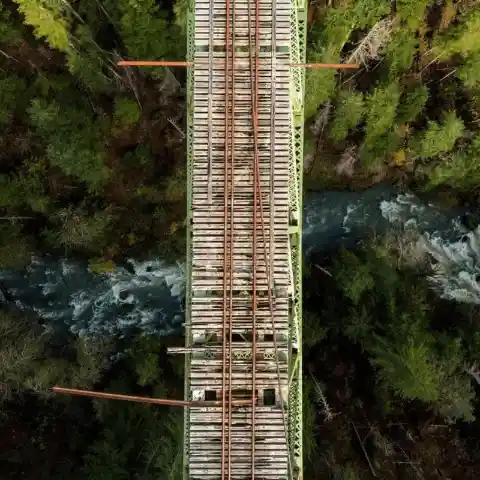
[[92, 156], [410, 114], [389, 368], [63, 437], [92, 163]]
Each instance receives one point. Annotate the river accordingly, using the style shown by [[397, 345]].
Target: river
[[148, 295]]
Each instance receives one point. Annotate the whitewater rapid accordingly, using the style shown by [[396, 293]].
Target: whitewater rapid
[[138, 296]]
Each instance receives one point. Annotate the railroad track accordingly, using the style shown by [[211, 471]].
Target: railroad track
[[241, 279]]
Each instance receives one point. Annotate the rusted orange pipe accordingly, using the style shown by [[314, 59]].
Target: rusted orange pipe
[[327, 65], [156, 63], [155, 401]]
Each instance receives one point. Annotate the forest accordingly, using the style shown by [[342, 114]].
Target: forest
[[92, 166]]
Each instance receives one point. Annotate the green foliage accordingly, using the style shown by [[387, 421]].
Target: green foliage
[[16, 248], [373, 154], [131, 429], [80, 230], [460, 38], [460, 170], [11, 195], [412, 12], [70, 135], [359, 325], [28, 187], [381, 111], [181, 12], [105, 459], [368, 12], [136, 437], [319, 83], [146, 360], [145, 30], [412, 104], [52, 21], [349, 112], [89, 63], [79, 159], [20, 353], [92, 359], [148, 369], [48, 20], [440, 137], [339, 24], [469, 71], [346, 472], [309, 412], [26, 365], [11, 87], [354, 278], [33, 184], [9, 33], [401, 52], [457, 394], [409, 368], [141, 156], [380, 139], [354, 14], [126, 112], [176, 184], [110, 440], [414, 369], [101, 266], [313, 330], [388, 313]]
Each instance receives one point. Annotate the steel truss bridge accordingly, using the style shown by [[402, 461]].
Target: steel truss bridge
[[243, 308], [243, 329]]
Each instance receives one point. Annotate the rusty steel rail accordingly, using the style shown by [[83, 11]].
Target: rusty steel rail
[[227, 243], [232, 224], [153, 63], [254, 54]]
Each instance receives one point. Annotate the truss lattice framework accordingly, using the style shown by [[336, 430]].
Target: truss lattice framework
[[295, 401]]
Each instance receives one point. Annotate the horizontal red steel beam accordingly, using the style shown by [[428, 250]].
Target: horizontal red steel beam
[[147, 63], [155, 401]]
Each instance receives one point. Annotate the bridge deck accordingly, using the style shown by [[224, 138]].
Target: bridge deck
[[241, 280]]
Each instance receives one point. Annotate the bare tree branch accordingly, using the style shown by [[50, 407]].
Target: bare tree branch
[[474, 371], [174, 124], [324, 270], [363, 448], [347, 162], [321, 119], [321, 397], [371, 46]]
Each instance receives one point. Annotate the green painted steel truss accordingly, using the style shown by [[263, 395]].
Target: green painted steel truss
[[295, 401]]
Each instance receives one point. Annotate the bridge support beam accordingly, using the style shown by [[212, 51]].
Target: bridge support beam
[[298, 39]]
